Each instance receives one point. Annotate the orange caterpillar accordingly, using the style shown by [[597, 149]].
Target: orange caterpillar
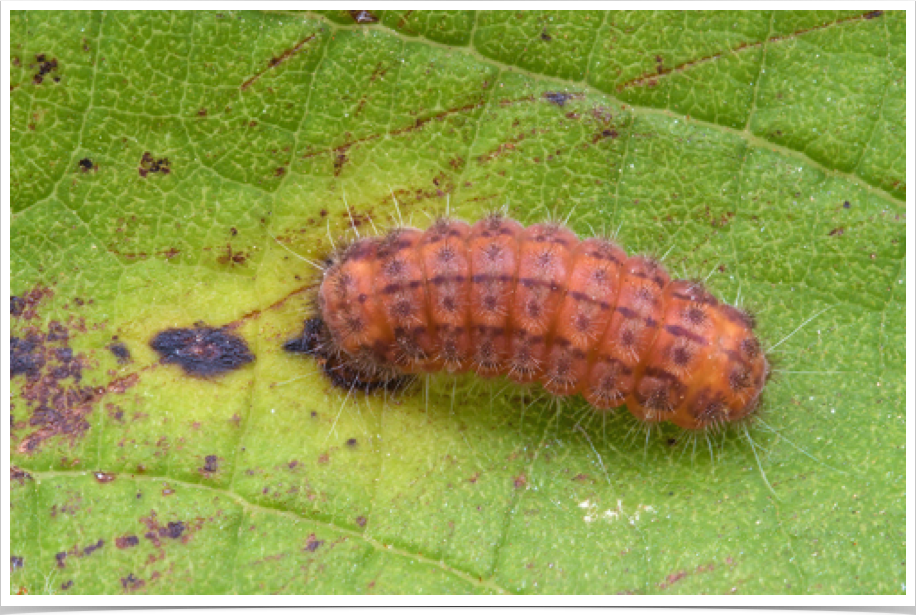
[[534, 304]]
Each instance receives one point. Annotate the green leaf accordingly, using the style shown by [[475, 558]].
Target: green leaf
[[169, 166]]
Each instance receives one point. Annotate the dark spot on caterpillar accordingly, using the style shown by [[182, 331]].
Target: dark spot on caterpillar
[[681, 356], [739, 379], [202, 350], [751, 348]]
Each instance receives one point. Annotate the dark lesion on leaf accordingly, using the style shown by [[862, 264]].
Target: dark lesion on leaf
[[560, 98], [45, 67], [202, 350], [151, 164], [120, 351]]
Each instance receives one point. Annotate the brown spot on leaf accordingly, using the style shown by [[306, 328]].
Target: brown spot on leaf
[[211, 464], [608, 133], [232, 257], [104, 477], [131, 582], [149, 164], [26, 306], [19, 475], [45, 66], [312, 543], [126, 542], [87, 165], [340, 159], [837, 232], [520, 481]]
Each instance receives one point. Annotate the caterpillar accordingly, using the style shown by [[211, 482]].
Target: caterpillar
[[535, 304]]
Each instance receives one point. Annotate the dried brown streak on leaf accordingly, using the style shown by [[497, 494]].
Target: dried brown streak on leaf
[[419, 123], [257, 313], [402, 23], [649, 78], [167, 254], [276, 61]]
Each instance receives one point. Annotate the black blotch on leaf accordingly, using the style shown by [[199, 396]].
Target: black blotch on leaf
[[17, 306], [26, 357], [211, 464], [16, 562], [45, 66], [120, 351], [202, 351], [174, 529], [88, 550], [86, 165]]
